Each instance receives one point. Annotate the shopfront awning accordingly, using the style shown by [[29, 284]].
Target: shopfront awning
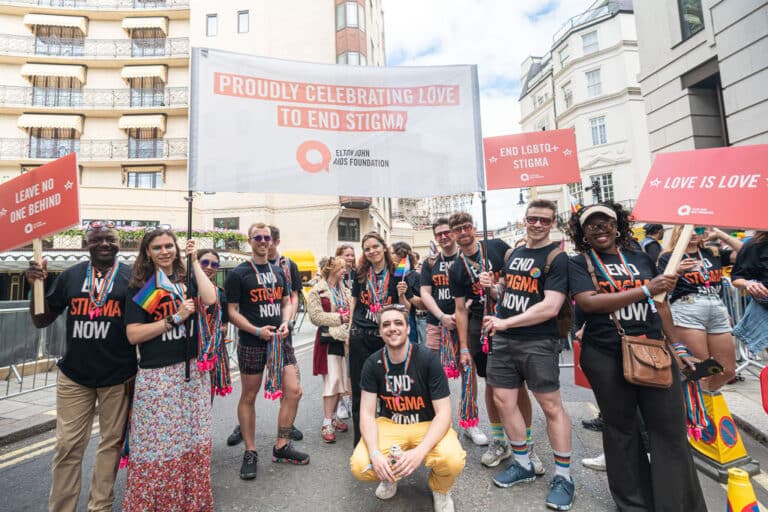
[[52, 20], [139, 23], [137, 122], [160, 72], [51, 121], [30, 70]]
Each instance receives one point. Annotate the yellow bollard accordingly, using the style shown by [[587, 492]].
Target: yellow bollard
[[741, 496]]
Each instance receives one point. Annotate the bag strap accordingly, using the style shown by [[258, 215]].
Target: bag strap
[[591, 269]]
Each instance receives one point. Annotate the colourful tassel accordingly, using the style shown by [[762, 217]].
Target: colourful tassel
[[468, 405], [448, 354], [273, 388], [208, 334], [221, 380]]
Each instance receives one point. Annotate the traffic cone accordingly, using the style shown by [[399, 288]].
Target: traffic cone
[[741, 496], [721, 441]]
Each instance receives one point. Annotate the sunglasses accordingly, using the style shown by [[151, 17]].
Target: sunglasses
[[699, 231], [443, 234], [158, 227], [544, 221], [393, 307], [464, 228], [168, 247], [261, 238], [600, 227], [208, 263], [101, 225]]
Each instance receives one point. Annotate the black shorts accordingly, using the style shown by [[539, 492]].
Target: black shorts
[[476, 344], [535, 362], [252, 360]]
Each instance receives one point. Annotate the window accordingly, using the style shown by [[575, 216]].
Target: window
[[350, 15], [691, 17], [564, 56], [567, 95], [147, 42], [242, 22], [594, 87], [589, 42], [602, 187], [147, 92], [212, 24], [145, 143], [576, 191], [541, 125], [56, 91], [145, 179], [349, 229], [66, 41], [352, 58], [597, 126], [52, 142], [226, 222]]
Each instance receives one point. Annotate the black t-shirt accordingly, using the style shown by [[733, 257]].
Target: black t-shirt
[[466, 286], [652, 248], [293, 281], [413, 279], [168, 348], [694, 281], [434, 273], [98, 353], [362, 316], [253, 296], [752, 262], [524, 284], [637, 319], [424, 383]]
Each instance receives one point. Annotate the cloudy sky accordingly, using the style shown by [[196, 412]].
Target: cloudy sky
[[497, 35]]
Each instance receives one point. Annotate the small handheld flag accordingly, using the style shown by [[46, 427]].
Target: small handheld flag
[[403, 267], [150, 295]]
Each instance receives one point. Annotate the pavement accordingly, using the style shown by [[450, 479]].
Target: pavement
[[27, 445]]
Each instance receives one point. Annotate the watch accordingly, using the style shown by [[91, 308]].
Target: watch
[[169, 321], [290, 323]]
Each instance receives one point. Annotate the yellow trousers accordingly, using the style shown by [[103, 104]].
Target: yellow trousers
[[445, 459]]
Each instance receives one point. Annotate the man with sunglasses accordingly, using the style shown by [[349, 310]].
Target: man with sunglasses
[[526, 348], [98, 366], [474, 261], [260, 308]]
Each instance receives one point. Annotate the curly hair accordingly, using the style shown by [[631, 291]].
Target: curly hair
[[331, 265], [143, 268], [362, 268], [576, 232]]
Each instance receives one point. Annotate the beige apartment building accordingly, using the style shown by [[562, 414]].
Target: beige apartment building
[[109, 80]]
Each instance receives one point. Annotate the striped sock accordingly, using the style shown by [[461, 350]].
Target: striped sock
[[528, 436], [497, 432], [563, 464], [520, 451]]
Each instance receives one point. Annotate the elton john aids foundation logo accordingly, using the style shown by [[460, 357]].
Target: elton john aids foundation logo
[[684, 210], [313, 156]]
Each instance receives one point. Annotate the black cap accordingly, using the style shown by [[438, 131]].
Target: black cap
[[653, 228]]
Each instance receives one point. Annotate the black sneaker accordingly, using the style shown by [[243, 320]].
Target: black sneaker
[[595, 424], [296, 434], [235, 437], [250, 461], [289, 455]]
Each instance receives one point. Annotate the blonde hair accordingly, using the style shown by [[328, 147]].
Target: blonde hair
[[676, 236], [331, 265], [257, 225]]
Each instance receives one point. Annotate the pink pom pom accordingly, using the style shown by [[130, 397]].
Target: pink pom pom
[[472, 422], [123, 462], [486, 348]]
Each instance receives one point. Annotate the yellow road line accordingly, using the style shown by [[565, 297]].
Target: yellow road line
[[46, 446]]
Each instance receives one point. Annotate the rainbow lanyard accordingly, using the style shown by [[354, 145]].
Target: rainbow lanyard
[[601, 266], [338, 298], [473, 276], [379, 289], [703, 270], [285, 264], [388, 367], [98, 294], [270, 291]]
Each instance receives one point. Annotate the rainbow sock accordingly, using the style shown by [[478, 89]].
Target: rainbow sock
[[528, 436], [497, 432], [520, 451], [563, 464]]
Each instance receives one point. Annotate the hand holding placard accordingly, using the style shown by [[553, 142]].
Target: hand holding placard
[[677, 256]]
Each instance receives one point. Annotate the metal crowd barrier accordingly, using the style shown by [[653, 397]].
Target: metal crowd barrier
[[736, 301]]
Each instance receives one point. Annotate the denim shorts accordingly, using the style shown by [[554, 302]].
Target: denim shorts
[[701, 312]]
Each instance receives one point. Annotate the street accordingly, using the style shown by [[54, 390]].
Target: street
[[326, 483]]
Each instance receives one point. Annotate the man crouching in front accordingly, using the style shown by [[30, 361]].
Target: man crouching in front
[[415, 422]]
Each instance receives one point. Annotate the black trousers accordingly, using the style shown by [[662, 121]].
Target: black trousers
[[361, 346], [669, 482]]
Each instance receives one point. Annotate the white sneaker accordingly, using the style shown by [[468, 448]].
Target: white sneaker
[[497, 451], [596, 463], [442, 501], [538, 466], [341, 410], [476, 435], [386, 490]]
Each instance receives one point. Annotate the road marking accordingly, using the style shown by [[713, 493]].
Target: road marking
[[20, 455]]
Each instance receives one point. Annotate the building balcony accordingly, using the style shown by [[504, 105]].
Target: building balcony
[[606, 10], [355, 202], [57, 99], [97, 49], [107, 5], [95, 150]]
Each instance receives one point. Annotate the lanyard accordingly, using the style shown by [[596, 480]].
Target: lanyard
[[379, 289], [270, 291], [603, 270], [98, 294], [388, 368], [703, 270]]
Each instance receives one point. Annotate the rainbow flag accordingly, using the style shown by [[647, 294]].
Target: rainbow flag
[[403, 267], [150, 295], [575, 206]]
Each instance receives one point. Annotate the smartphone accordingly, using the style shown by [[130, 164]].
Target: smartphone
[[703, 369]]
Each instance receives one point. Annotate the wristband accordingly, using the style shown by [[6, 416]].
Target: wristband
[[464, 351], [258, 331], [649, 298], [374, 453], [177, 319], [440, 318]]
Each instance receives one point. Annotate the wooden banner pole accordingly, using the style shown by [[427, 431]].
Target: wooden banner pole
[[677, 256], [38, 290]]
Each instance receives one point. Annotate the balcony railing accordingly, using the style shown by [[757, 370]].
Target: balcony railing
[[94, 149], [608, 9], [52, 97], [94, 48], [103, 4], [355, 202]]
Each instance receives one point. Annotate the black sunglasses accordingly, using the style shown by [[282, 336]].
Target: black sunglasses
[[261, 238], [208, 263]]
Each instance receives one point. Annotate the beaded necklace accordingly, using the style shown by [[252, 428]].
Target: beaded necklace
[[603, 270], [271, 290], [470, 268], [98, 294], [285, 264], [388, 369], [378, 289], [339, 298]]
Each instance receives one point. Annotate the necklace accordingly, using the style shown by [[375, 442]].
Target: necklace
[[703, 270], [388, 368], [271, 290], [285, 264], [469, 266], [378, 288], [603, 270], [338, 298], [98, 294]]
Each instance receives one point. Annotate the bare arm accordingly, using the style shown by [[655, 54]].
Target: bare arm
[[541, 312], [370, 434], [417, 302], [412, 459], [242, 323], [139, 333]]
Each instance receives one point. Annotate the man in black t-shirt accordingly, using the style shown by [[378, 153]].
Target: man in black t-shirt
[[526, 347], [260, 309], [98, 366], [474, 260], [651, 244], [408, 382]]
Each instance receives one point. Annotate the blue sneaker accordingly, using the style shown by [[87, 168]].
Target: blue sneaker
[[560, 495], [514, 474]]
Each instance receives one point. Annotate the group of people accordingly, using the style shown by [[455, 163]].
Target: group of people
[[489, 311]]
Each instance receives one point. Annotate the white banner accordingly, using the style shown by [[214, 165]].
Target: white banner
[[267, 125]]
